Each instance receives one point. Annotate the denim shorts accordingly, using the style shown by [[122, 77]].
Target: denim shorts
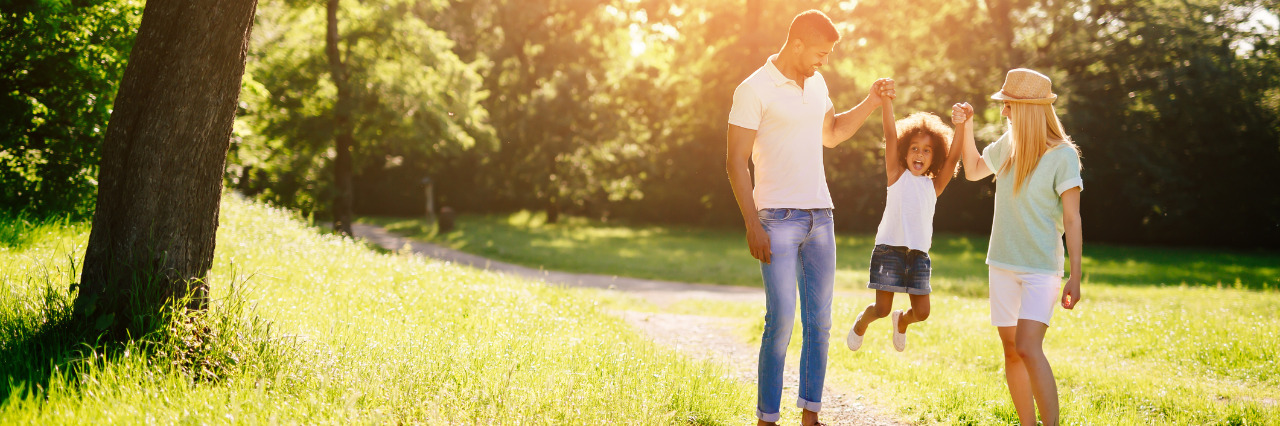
[[900, 270]]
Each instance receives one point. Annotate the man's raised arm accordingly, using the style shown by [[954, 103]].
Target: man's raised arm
[[840, 127]]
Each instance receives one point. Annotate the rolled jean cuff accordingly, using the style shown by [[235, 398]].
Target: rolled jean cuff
[[768, 417], [806, 405]]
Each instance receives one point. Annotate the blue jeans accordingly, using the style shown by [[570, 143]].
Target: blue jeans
[[803, 260]]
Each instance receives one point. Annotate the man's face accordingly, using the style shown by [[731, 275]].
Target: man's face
[[813, 55]]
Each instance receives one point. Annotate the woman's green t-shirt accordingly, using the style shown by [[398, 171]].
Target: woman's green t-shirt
[[1026, 230]]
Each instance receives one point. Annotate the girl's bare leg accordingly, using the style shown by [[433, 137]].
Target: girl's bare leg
[[880, 309], [919, 312]]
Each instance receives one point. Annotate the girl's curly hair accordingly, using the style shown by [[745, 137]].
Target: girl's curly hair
[[923, 123]]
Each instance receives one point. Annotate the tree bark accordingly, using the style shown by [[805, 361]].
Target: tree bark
[[553, 191], [342, 214], [160, 179]]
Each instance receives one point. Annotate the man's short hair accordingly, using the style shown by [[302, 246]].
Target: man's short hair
[[813, 26]]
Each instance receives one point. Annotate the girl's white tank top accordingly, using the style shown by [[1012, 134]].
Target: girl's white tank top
[[908, 213]]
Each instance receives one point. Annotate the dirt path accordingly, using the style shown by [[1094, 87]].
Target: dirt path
[[701, 337], [712, 338], [659, 292]]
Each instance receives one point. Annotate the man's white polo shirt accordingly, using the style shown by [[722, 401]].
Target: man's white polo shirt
[[788, 148]]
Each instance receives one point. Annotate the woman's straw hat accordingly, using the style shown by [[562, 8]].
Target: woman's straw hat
[[1027, 86]]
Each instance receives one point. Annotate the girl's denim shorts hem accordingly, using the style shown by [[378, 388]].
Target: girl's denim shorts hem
[[900, 270]]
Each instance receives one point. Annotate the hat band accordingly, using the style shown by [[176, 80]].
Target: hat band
[[1040, 101], [1002, 91]]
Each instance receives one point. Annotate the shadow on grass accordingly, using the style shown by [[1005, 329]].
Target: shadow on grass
[[30, 358], [18, 230], [43, 338], [40, 336], [1127, 265]]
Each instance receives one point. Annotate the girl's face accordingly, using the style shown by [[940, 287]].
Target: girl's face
[[1004, 112], [919, 155]]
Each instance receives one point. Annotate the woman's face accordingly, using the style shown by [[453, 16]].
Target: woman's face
[[1004, 111]]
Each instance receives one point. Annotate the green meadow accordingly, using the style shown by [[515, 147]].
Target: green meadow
[[312, 328], [718, 256], [315, 329], [1162, 336]]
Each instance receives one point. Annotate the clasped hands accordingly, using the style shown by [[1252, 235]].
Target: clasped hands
[[961, 113], [883, 90]]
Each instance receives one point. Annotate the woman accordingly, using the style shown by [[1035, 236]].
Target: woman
[[1037, 172]]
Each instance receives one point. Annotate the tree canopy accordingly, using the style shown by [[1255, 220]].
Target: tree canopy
[[617, 109], [60, 64]]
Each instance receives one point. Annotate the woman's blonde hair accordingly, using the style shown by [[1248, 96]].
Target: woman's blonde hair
[[1035, 129]]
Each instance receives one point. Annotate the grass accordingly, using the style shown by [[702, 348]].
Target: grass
[[1163, 336], [720, 256], [577, 245], [355, 336], [1125, 356], [19, 230]]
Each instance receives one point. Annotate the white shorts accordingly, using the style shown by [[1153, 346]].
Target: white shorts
[[1018, 295]]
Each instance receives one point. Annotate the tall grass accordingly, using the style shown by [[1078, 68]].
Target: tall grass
[[363, 337]]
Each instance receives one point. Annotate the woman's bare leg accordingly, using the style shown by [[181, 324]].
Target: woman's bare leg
[[1015, 375], [1030, 347]]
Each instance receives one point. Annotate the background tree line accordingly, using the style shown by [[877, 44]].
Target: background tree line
[[617, 109]]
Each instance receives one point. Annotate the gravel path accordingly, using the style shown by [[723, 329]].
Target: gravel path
[[700, 337]]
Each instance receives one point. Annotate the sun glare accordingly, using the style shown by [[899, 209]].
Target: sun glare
[[638, 47]]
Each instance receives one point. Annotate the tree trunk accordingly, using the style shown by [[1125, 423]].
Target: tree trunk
[[163, 157], [553, 210], [342, 201], [553, 191]]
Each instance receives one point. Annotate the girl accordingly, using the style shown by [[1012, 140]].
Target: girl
[[1038, 186], [917, 173]]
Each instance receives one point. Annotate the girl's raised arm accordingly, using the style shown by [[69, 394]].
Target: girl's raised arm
[[953, 156]]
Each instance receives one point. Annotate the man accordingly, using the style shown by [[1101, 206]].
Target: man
[[780, 120]]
